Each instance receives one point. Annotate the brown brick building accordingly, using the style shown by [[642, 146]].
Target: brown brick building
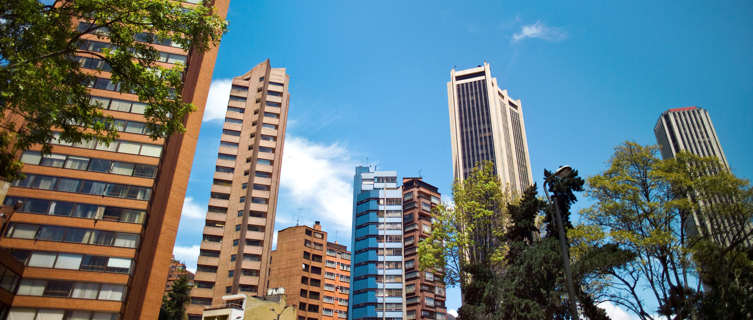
[[98, 222], [314, 272], [424, 290], [240, 219], [177, 269]]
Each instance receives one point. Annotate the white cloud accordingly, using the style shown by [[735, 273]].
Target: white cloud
[[187, 255], [192, 210], [616, 313], [541, 31], [219, 92], [318, 179], [453, 312]]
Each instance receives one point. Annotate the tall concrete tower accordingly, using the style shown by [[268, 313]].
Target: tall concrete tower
[[237, 239], [486, 124], [690, 129]]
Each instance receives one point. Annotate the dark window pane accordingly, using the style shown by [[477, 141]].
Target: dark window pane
[[85, 211], [51, 233], [103, 238], [145, 171], [76, 235], [36, 206], [100, 165], [62, 208]]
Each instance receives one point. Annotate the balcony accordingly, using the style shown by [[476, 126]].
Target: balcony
[[257, 221], [255, 235], [223, 175], [248, 280], [214, 231], [210, 261], [255, 265], [252, 249], [221, 189], [205, 276], [216, 216], [210, 245]]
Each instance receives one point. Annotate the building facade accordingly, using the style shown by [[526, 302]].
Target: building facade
[[377, 274], [240, 219], [313, 272], [487, 125], [98, 222], [690, 129], [424, 290], [177, 269]]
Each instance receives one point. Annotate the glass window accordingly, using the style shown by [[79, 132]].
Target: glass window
[[104, 146], [67, 185], [122, 168], [115, 190], [22, 314], [112, 292], [120, 105], [144, 171], [76, 163], [53, 160], [68, 261], [103, 238], [42, 259], [93, 187], [127, 240], [93, 263], [31, 157], [43, 182], [151, 150], [31, 287], [77, 235], [129, 147], [100, 165], [85, 210], [51, 233], [135, 127], [85, 290], [36, 206], [138, 108], [121, 265], [62, 208], [24, 231]]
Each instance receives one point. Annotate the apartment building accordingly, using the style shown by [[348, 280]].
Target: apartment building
[[377, 274], [97, 222], [314, 273], [424, 290], [240, 219], [176, 271], [486, 124]]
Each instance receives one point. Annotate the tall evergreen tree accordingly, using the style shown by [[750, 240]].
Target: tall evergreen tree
[[175, 301]]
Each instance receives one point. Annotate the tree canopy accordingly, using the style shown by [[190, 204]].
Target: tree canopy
[[50, 54]]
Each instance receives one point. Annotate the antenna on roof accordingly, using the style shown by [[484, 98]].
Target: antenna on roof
[[419, 174]]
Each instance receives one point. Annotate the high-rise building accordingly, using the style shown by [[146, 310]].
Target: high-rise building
[[98, 221], [487, 125], [237, 236], [315, 273], [377, 274], [424, 290], [176, 271], [690, 129]]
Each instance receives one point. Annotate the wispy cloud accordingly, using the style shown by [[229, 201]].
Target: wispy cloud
[[219, 93], [187, 255], [192, 210], [317, 178], [453, 312], [539, 30]]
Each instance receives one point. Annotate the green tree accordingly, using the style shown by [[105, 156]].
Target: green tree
[[644, 205], [175, 301], [43, 86], [468, 239]]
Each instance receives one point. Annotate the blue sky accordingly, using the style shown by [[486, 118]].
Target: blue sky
[[368, 85]]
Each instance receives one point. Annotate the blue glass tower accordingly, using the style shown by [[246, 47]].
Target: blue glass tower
[[376, 290]]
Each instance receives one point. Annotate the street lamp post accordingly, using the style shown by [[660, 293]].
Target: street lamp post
[[562, 172]]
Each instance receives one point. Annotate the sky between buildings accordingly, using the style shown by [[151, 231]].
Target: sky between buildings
[[368, 85]]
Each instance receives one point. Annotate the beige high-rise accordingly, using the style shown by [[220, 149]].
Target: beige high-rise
[[240, 219], [486, 124]]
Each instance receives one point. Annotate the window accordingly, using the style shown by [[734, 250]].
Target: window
[[269, 126], [265, 137], [233, 121], [237, 99], [234, 109], [274, 93], [264, 162], [231, 132], [228, 144], [222, 156], [271, 115], [260, 200], [261, 187], [222, 196]]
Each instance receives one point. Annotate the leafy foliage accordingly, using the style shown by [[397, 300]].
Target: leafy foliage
[[175, 301], [646, 206], [44, 87]]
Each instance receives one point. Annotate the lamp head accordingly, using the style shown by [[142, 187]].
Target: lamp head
[[563, 171]]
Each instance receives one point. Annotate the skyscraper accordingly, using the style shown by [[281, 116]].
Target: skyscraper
[[240, 218], [486, 124], [424, 290], [376, 289], [690, 129], [98, 221], [315, 273]]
